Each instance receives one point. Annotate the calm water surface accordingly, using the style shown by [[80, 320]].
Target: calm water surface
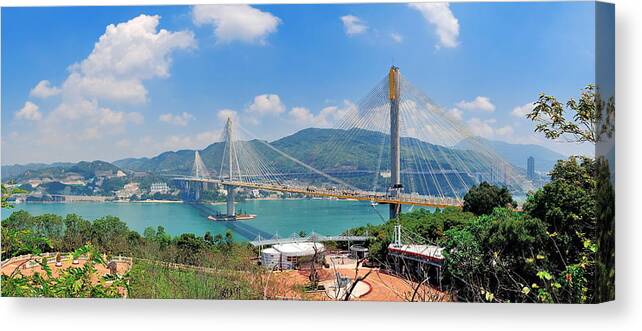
[[282, 217]]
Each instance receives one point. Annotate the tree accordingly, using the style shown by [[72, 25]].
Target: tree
[[577, 208], [7, 193], [77, 232], [208, 237], [494, 257], [189, 248], [110, 234], [483, 198], [591, 117]]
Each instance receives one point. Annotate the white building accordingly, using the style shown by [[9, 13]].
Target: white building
[[159, 188], [289, 256]]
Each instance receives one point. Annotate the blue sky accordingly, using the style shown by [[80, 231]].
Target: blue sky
[[75, 89]]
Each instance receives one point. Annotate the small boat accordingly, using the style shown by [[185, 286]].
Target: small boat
[[374, 203]]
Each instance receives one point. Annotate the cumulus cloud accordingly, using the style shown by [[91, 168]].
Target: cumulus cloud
[[224, 114], [505, 131], [327, 117], [29, 112], [196, 141], [44, 90], [236, 22], [179, 119], [484, 128], [95, 95], [266, 104], [301, 115], [479, 103], [353, 25], [454, 114], [124, 56], [521, 111], [441, 17], [481, 128]]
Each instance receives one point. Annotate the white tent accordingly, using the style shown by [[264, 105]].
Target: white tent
[[287, 255]]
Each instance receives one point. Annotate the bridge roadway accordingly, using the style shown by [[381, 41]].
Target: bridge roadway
[[403, 199]]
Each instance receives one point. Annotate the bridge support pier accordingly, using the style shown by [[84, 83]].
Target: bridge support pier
[[231, 211]]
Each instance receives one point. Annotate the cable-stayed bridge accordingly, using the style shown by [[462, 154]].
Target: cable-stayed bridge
[[395, 147]]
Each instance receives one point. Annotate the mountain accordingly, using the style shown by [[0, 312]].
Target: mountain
[[324, 149], [10, 171], [84, 169], [517, 154]]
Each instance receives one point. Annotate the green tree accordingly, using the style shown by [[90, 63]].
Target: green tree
[[189, 248], [77, 232], [494, 257], [591, 117], [110, 234], [483, 198], [7, 193]]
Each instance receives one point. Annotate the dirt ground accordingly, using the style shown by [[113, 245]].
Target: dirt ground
[[121, 268], [383, 287]]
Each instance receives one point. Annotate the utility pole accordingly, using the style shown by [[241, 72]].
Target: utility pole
[[395, 157]]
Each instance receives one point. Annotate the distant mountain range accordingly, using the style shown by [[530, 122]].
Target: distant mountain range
[[84, 169], [517, 154], [325, 149]]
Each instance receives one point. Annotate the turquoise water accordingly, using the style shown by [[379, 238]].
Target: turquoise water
[[282, 217]]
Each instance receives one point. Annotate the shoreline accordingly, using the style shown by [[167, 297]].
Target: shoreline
[[218, 203]]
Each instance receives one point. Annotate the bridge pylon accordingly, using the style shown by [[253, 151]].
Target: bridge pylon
[[395, 138], [229, 142]]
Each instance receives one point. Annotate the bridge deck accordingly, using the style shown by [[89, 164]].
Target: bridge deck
[[403, 199]]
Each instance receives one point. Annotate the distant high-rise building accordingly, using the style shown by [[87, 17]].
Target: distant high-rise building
[[530, 168]]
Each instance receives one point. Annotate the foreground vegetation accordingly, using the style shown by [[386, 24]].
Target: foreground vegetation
[[151, 276], [150, 280], [547, 253]]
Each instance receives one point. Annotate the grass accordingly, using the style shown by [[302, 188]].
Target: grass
[[153, 281]]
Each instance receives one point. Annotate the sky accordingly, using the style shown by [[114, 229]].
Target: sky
[[87, 83]]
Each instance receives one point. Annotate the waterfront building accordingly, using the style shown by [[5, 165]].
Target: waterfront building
[[161, 188]]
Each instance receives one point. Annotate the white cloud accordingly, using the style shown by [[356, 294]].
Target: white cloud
[[29, 112], [98, 90], [224, 114], [265, 104], [124, 56], [197, 141], [454, 114], [301, 115], [179, 119], [353, 25], [44, 90], [441, 17], [236, 22], [479, 103], [484, 128], [481, 128], [521, 111], [327, 117], [505, 131], [396, 37]]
